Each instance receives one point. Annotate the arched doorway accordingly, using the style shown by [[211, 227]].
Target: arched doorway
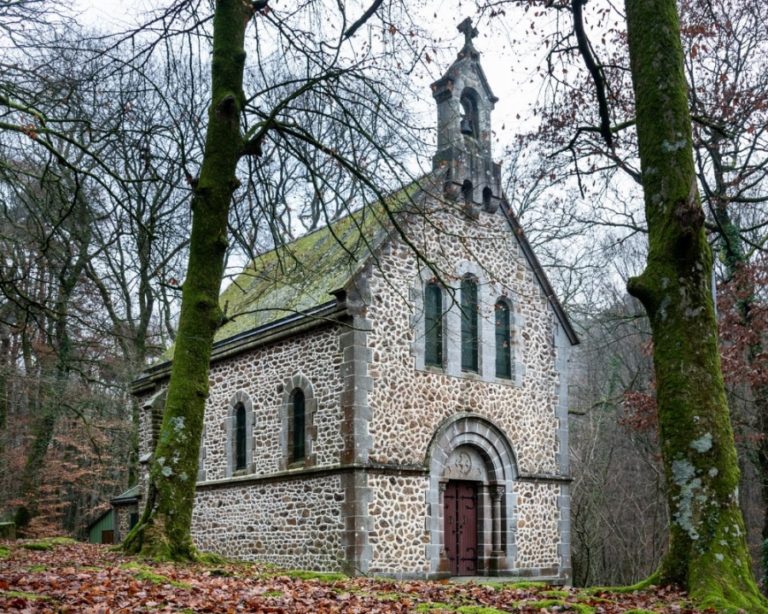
[[471, 498]]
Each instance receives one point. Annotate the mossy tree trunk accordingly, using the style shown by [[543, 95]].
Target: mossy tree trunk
[[164, 529], [707, 551]]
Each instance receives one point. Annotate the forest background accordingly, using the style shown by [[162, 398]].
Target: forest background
[[101, 133]]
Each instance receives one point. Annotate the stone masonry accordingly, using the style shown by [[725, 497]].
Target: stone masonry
[[388, 437]]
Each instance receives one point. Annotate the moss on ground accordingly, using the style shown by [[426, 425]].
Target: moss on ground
[[61, 541], [4, 552], [435, 606], [273, 594], [555, 594], [23, 595], [40, 546], [519, 585], [147, 574], [299, 574], [49, 543]]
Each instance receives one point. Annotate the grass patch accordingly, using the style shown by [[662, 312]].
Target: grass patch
[[61, 541], [581, 596], [555, 594], [40, 546], [142, 572], [389, 596], [23, 595], [520, 585], [434, 605], [38, 568], [4, 552], [274, 594], [299, 574], [478, 609], [619, 590], [49, 543], [209, 558]]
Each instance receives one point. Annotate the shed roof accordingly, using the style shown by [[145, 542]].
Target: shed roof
[[129, 496]]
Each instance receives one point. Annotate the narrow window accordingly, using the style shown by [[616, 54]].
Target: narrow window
[[469, 325], [503, 341], [487, 197], [240, 437], [298, 428], [466, 191], [433, 325]]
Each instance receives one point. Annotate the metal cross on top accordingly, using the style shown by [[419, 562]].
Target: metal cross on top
[[469, 32]]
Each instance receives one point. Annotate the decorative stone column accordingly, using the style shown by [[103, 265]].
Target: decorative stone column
[[445, 564], [498, 561]]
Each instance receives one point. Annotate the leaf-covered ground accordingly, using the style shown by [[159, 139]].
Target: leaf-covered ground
[[62, 576]]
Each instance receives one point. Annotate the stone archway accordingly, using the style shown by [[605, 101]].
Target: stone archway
[[470, 454]]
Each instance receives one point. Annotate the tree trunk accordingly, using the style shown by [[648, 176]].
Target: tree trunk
[[164, 529], [707, 552]]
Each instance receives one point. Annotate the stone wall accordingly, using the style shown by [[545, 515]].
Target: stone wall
[[409, 401], [537, 527], [398, 535], [371, 391], [295, 523], [122, 515], [263, 375]]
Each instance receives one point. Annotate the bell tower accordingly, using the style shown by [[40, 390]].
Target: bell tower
[[464, 104]]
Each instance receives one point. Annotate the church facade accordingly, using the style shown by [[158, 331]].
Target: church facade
[[393, 401]]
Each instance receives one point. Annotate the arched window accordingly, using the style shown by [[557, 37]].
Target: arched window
[[469, 119], [240, 437], [487, 197], [433, 325], [466, 191], [503, 340], [297, 435], [469, 325], [239, 431]]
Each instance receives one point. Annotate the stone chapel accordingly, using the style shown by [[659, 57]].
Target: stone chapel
[[391, 399]]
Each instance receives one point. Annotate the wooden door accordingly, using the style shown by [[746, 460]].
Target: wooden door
[[460, 528]]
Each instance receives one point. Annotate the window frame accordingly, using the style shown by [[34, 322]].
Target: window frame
[[297, 435], [434, 334], [288, 458], [240, 451], [235, 439], [469, 308], [503, 340]]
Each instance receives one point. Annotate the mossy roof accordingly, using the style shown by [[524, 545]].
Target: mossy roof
[[298, 276]]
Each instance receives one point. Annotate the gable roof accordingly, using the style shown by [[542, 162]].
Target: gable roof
[[305, 278], [299, 276]]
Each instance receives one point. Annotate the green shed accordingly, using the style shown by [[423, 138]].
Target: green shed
[[102, 530]]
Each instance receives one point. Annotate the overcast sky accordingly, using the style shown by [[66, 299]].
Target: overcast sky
[[509, 68]]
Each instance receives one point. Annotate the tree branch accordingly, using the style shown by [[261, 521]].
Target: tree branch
[[594, 69], [365, 17]]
